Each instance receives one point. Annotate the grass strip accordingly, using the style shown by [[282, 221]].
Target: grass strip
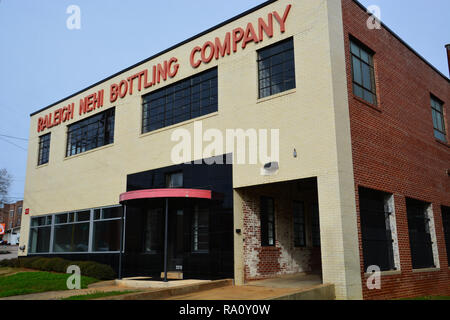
[[97, 295], [37, 282]]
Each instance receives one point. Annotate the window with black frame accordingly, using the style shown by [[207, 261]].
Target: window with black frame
[[91, 133], [187, 99], [376, 232], [267, 222], [299, 224], [174, 180], [44, 149], [363, 72], [419, 234], [107, 229], [40, 230], [71, 232], [276, 68], [446, 222], [437, 109]]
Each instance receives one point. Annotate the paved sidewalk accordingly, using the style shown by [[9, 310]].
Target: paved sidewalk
[[235, 293], [58, 295], [287, 286]]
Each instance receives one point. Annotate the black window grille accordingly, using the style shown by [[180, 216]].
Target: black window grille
[[267, 222], [363, 73], [44, 149], [276, 67], [420, 241], [446, 222], [182, 101], [437, 109], [91, 133], [376, 230], [299, 224]]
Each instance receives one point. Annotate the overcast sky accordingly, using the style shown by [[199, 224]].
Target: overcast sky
[[42, 61]]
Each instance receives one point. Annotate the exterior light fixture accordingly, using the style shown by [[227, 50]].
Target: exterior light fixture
[[270, 168]]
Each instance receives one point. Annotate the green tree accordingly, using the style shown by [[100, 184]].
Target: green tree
[[5, 183]]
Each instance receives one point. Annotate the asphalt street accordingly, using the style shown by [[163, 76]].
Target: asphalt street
[[12, 249]]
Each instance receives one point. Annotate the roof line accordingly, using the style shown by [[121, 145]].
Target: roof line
[[405, 43], [262, 5]]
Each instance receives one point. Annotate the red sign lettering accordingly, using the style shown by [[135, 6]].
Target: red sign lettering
[[160, 72], [238, 36], [169, 68]]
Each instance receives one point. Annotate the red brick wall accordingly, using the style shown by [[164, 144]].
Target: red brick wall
[[394, 149], [283, 258]]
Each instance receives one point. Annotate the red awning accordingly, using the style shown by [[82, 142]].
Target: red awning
[[166, 193]]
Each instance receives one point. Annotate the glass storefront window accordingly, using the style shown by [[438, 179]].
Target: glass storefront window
[[61, 218], [97, 214], [107, 236], [72, 232], [111, 213], [41, 221], [71, 238], [83, 216], [40, 240]]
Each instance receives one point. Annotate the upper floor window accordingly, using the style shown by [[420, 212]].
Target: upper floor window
[[437, 108], [91, 133], [184, 100], [11, 213], [174, 180], [44, 149], [19, 210], [276, 68], [363, 73]]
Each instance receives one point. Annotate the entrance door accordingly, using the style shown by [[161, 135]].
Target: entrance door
[[176, 236]]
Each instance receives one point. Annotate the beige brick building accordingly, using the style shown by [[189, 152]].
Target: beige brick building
[[102, 183]]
